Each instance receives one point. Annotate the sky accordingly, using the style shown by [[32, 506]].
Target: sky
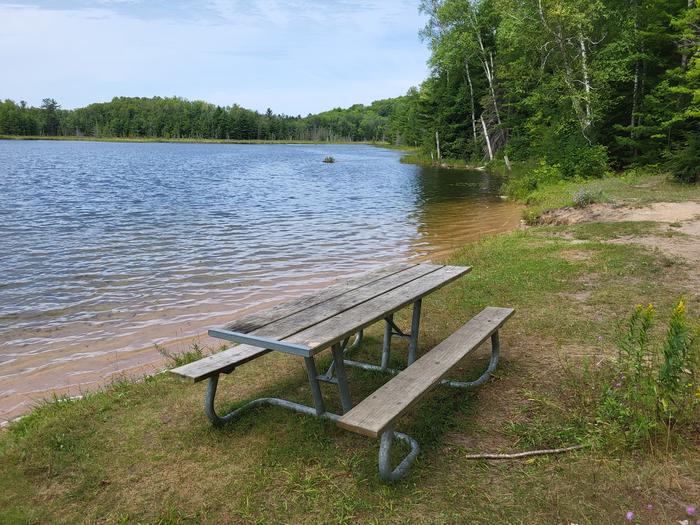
[[293, 56]]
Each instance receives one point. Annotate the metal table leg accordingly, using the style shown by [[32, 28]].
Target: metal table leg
[[315, 385], [415, 327], [343, 387]]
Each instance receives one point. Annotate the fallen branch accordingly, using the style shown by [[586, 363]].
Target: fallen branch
[[518, 455]]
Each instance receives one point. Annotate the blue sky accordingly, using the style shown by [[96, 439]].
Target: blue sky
[[294, 56]]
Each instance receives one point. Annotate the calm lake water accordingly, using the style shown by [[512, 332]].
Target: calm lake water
[[108, 248]]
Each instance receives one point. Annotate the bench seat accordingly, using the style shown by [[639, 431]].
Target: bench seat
[[377, 413]]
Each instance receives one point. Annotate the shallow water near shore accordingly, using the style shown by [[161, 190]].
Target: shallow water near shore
[[107, 249]]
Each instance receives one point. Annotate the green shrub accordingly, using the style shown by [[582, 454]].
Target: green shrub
[[582, 161], [653, 387], [544, 174], [583, 197], [684, 163]]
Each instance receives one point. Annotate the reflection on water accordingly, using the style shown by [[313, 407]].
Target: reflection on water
[[108, 248]]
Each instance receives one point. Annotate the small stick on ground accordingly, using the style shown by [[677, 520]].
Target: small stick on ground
[[518, 455]]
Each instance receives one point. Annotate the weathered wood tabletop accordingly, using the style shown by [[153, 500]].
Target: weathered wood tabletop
[[310, 324]]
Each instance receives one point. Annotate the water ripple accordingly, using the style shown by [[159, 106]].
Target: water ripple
[[108, 246]]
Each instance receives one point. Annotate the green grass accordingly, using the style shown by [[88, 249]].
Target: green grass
[[635, 188], [143, 452], [414, 157]]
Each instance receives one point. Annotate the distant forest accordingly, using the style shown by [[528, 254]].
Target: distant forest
[[178, 118], [582, 86]]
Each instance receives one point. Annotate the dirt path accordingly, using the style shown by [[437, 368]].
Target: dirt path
[[682, 218]]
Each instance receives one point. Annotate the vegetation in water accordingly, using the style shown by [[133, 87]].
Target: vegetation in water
[[329, 160]]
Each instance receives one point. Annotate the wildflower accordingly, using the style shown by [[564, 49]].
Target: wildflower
[[690, 510], [617, 385], [629, 516], [680, 307], [650, 506]]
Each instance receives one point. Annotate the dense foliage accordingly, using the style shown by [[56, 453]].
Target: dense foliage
[[583, 85], [177, 118]]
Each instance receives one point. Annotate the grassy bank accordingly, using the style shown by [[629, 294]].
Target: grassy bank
[[414, 156], [631, 188], [144, 451], [174, 140]]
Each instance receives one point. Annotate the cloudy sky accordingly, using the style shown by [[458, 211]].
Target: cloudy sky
[[294, 56]]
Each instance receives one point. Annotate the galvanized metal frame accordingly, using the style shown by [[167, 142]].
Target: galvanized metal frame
[[319, 410], [390, 330], [493, 364], [336, 374], [262, 342], [385, 441]]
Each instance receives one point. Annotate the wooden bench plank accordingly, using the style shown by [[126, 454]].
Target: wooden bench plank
[[225, 361], [373, 415], [257, 320], [342, 325]]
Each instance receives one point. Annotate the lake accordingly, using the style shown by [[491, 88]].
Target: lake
[[107, 249]]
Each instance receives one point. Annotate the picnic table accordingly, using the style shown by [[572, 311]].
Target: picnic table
[[328, 320]]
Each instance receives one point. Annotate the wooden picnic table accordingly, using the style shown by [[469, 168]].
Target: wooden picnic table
[[329, 319]]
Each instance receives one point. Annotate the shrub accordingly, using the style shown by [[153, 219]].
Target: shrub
[[586, 196], [653, 387], [544, 174], [684, 163], [582, 161]]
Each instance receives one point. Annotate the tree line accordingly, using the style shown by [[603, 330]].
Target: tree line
[[581, 85], [178, 118], [584, 85]]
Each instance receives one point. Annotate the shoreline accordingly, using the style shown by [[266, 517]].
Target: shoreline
[[410, 153], [140, 360], [165, 140]]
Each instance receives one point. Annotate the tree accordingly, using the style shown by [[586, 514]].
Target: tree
[[51, 123]]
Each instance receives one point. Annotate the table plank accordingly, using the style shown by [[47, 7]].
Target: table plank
[[257, 320], [284, 327], [340, 326], [320, 312]]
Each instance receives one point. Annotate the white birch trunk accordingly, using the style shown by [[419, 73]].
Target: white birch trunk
[[437, 145], [486, 136], [586, 81], [471, 100], [488, 68]]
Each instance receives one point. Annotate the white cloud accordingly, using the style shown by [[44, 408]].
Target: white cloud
[[293, 56]]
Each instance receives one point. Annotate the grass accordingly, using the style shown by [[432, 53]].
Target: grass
[[414, 157], [635, 188], [143, 452]]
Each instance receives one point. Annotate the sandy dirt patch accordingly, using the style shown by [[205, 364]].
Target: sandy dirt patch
[[657, 212]]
